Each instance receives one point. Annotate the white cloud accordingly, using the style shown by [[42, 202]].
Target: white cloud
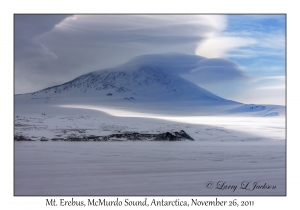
[[216, 70], [266, 90], [218, 46], [273, 87], [254, 43], [273, 79], [84, 43], [261, 96], [271, 68], [273, 41]]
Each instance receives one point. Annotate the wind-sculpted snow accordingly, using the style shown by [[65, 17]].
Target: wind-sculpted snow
[[178, 168]]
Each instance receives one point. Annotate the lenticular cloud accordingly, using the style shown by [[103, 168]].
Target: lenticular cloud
[[203, 70]]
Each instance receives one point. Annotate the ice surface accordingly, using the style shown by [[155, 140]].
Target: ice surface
[[147, 168]]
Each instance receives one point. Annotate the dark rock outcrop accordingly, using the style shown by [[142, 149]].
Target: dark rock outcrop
[[176, 136], [135, 136], [22, 138], [127, 136]]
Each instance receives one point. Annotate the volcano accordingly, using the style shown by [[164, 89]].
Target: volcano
[[149, 82]]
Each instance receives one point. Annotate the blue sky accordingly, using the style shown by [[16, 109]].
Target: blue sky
[[261, 55], [245, 53]]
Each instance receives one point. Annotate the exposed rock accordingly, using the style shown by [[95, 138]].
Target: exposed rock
[[175, 136], [44, 139], [22, 138], [58, 139], [128, 136], [134, 136]]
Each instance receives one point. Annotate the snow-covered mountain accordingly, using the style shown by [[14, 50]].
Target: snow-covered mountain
[[143, 81], [150, 82]]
